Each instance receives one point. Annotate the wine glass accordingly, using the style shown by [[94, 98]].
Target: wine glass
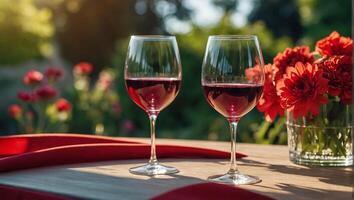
[[153, 79], [232, 80]]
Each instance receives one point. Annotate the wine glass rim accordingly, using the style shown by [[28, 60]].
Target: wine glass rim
[[233, 37], [153, 37]]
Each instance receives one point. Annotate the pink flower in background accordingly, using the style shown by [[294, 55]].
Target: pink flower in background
[[15, 111], [29, 115], [105, 80], [46, 92], [32, 77], [128, 126], [83, 68], [27, 96], [54, 73], [63, 105], [116, 107]]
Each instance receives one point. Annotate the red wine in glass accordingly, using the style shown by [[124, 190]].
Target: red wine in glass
[[152, 94], [231, 90], [153, 74], [232, 100]]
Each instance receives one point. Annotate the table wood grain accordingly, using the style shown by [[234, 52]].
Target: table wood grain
[[111, 180]]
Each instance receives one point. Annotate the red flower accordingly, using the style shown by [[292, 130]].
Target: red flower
[[254, 74], [338, 71], [290, 57], [270, 71], [14, 111], [32, 77], [29, 115], [63, 105], [128, 126], [105, 80], [27, 96], [46, 92], [83, 68], [54, 73], [334, 44], [302, 90], [116, 107], [269, 103]]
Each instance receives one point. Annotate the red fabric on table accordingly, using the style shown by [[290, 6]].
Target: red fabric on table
[[40, 150], [210, 191], [18, 144], [15, 193]]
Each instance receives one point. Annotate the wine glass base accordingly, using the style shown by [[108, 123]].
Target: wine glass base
[[235, 179], [153, 169]]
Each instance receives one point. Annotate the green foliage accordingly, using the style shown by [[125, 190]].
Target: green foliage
[[329, 133], [277, 15], [25, 31], [271, 133], [197, 39], [320, 18], [96, 106]]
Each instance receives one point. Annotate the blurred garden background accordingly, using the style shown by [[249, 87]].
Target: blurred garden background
[[58, 34]]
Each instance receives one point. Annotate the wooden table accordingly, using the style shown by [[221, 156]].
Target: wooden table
[[111, 180]]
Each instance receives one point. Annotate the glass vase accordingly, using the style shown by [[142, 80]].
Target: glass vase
[[323, 140]]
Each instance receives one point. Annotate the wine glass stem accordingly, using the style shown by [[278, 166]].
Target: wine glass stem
[[233, 130], [153, 159]]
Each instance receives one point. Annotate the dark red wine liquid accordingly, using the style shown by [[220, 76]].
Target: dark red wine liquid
[[232, 100], [152, 94]]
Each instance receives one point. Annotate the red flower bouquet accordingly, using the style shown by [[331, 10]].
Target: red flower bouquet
[[314, 90]]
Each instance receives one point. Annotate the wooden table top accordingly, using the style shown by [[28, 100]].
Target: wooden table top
[[111, 180]]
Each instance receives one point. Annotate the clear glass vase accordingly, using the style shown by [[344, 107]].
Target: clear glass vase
[[323, 140]]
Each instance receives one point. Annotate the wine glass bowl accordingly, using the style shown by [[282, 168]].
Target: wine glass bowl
[[232, 80], [232, 100], [153, 78], [153, 94]]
